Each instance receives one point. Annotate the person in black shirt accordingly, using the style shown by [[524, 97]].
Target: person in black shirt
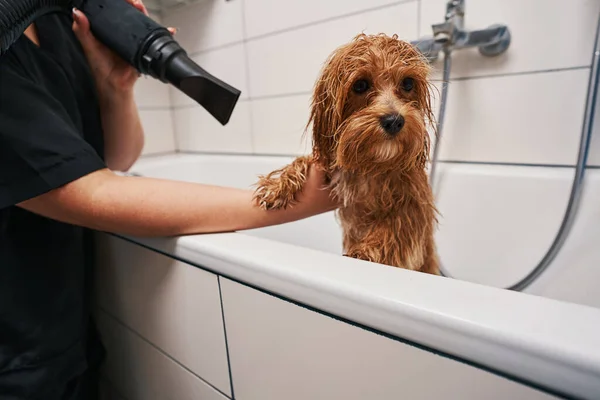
[[67, 121]]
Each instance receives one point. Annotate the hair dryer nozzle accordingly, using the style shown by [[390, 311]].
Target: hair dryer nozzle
[[216, 96], [163, 58]]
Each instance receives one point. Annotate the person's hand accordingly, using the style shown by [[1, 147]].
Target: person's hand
[[112, 74], [316, 197]]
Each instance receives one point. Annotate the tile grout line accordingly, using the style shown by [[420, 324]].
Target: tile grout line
[[161, 351], [246, 39], [460, 79], [226, 338], [519, 73]]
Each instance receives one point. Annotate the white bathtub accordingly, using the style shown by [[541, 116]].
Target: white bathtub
[[277, 313]]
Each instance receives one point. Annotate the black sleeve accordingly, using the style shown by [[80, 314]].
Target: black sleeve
[[40, 148]]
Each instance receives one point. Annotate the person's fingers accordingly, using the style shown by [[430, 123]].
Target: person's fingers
[[139, 5], [172, 30], [81, 28]]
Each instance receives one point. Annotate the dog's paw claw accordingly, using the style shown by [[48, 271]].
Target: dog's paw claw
[[268, 200]]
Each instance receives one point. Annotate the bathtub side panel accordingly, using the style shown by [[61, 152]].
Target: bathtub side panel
[[174, 306], [136, 370], [279, 350]]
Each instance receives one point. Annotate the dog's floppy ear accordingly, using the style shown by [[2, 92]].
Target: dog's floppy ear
[[425, 91], [424, 156], [327, 109]]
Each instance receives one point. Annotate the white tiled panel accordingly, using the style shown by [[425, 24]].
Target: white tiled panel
[[141, 372], [573, 275], [173, 305], [497, 222], [197, 130], [282, 351], [206, 24], [278, 125], [517, 119], [158, 131], [546, 34], [290, 62], [227, 64], [265, 16]]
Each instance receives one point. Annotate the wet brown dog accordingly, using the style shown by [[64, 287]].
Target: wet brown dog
[[370, 111]]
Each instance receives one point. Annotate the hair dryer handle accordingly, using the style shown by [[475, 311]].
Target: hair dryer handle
[[122, 27]]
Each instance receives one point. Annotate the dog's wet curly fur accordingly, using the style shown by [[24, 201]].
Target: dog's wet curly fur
[[370, 111]]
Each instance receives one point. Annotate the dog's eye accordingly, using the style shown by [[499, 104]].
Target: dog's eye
[[360, 86], [408, 84]]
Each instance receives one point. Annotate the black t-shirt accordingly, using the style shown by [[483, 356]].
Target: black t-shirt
[[50, 135]]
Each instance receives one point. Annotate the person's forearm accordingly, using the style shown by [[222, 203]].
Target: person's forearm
[[152, 207], [123, 131]]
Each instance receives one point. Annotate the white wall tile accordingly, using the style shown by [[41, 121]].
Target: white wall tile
[[546, 34], [158, 131], [140, 372], [282, 351], [259, 14], [151, 93], [197, 130], [533, 118], [173, 305], [205, 25], [290, 62], [278, 125], [497, 222], [228, 64]]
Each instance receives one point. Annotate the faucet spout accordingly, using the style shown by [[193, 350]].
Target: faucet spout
[[451, 35]]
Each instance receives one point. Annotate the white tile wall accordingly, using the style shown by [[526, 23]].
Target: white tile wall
[[206, 24], [151, 93], [282, 351], [279, 124], [507, 119], [274, 51], [173, 305], [294, 13], [158, 131], [290, 62], [198, 131], [139, 371]]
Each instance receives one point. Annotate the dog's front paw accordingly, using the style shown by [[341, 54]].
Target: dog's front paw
[[269, 196], [278, 190]]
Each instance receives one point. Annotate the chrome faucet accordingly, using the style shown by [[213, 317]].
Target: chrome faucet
[[451, 35]]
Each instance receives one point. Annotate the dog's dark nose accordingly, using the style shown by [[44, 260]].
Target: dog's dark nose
[[392, 123]]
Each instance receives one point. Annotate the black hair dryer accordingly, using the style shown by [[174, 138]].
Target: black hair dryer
[[138, 39]]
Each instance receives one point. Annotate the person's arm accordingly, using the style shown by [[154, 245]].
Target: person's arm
[[115, 80], [142, 206], [123, 131]]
